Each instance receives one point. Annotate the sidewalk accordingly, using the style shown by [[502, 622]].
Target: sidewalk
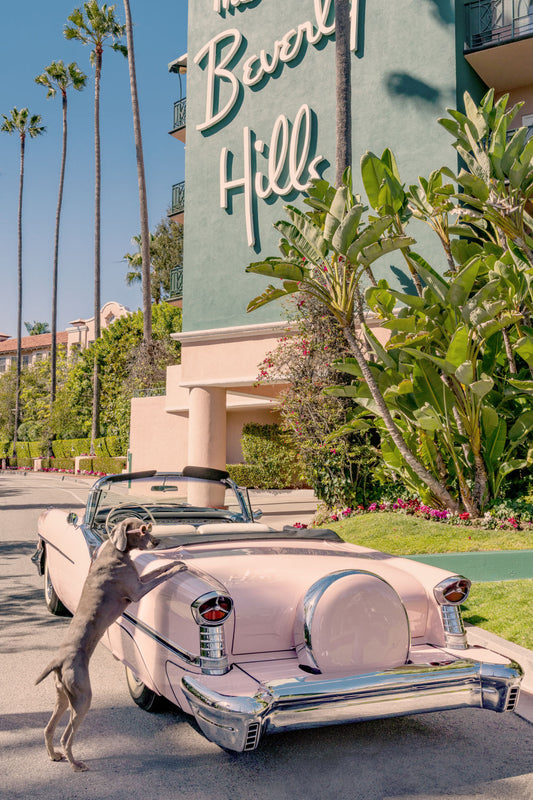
[[284, 506]]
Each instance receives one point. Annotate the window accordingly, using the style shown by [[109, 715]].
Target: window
[[25, 361], [3, 364]]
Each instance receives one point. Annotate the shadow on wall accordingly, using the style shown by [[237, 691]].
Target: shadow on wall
[[406, 283], [404, 85], [443, 11]]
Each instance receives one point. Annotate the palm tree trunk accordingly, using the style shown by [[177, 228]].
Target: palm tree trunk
[[439, 491], [53, 378], [143, 203], [343, 89], [95, 429], [19, 298]]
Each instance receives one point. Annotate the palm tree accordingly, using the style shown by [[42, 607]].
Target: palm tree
[[95, 26], [135, 273], [143, 204], [36, 328], [58, 77], [343, 89], [24, 124]]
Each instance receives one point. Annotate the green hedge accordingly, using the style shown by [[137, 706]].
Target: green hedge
[[276, 462], [245, 475], [70, 448], [6, 449], [23, 462], [107, 464], [58, 463], [105, 447]]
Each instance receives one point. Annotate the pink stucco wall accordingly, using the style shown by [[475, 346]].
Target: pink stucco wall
[[157, 440]]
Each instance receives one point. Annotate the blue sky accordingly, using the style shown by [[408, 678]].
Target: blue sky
[[30, 42]]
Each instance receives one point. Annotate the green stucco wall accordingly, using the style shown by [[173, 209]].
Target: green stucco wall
[[408, 68]]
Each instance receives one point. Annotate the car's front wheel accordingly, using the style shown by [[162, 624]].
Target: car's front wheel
[[53, 603], [144, 697]]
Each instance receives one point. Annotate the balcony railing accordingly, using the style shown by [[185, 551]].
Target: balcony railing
[[180, 114], [178, 198], [151, 391], [176, 283], [512, 131], [492, 22]]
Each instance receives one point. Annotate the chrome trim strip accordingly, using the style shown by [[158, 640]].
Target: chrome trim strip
[[54, 547], [189, 658], [311, 600], [312, 701], [213, 658], [454, 630]]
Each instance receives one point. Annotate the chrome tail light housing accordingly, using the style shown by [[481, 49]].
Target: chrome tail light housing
[[449, 594], [210, 612]]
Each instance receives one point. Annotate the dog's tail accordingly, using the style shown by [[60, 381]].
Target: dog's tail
[[53, 665]]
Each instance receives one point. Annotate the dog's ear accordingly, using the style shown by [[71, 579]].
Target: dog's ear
[[118, 535]]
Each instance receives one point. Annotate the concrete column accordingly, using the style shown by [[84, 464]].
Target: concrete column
[[207, 436]]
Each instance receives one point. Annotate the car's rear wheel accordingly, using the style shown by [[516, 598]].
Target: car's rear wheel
[[144, 697], [53, 603]]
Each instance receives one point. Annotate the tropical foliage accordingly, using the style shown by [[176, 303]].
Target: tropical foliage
[[36, 328], [341, 472], [166, 253], [451, 390], [127, 369]]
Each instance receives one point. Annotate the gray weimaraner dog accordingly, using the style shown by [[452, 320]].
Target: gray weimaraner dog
[[112, 583]]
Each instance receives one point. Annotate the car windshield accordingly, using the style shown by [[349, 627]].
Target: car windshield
[[167, 497]]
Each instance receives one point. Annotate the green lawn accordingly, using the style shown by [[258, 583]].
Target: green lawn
[[504, 608], [402, 534]]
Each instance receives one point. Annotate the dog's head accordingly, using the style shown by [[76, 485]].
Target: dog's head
[[131, 534]]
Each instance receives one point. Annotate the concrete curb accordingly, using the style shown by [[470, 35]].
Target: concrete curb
[[58, 476], [523, 656]]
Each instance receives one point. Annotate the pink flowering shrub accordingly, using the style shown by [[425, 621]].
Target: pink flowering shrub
[[415, 507]]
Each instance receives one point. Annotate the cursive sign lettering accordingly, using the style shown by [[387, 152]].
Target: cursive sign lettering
[[289, 154], [219, 52], [224, 5]]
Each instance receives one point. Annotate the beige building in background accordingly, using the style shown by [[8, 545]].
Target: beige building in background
[[78, 336]]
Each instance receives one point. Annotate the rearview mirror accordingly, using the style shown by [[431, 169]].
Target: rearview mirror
[[72, 518]]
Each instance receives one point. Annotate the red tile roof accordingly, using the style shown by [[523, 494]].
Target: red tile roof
[[39, 342]]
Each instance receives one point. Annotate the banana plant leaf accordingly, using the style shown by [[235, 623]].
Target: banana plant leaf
[[271, 293], [346, 231], [494, 430], [276, 268]]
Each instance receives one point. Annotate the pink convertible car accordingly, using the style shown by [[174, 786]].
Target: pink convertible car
[[271, 630]]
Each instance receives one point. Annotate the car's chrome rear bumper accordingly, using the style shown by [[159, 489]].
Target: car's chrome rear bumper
[[238, 722]]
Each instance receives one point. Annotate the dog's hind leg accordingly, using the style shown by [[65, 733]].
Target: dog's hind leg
[[78, 709], [59, 709], [78, 687]]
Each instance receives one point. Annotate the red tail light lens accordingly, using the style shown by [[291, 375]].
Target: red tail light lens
[[452, 591], [212, 609]]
